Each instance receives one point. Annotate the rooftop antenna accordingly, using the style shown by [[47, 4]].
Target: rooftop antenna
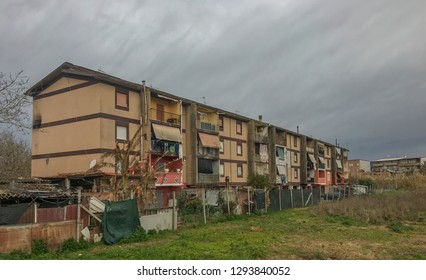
[[204, 100]]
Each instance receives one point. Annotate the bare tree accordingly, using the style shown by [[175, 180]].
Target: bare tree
[[127, 163], [13, 101], [15, 157]]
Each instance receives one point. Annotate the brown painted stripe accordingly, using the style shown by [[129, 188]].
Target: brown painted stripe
[[232, 139], [233, 161], [67, 89], [77, 153], [89, 117]]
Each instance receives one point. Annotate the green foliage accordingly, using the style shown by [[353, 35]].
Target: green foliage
[[188, 204], [223, 205], [366, 182], [259, 181], [152, 232], [39, 247], [399, 227], [138, 235], [71, 245]]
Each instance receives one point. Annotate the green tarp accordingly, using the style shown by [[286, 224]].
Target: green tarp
[[120, 218]]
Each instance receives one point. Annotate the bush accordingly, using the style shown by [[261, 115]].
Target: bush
[[39, 247], [71, 245], [138, 235]]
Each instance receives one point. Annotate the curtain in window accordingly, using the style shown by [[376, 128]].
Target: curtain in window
[[205, 166]]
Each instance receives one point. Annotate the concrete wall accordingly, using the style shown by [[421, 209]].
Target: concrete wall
[[160, 221], [19, 238]]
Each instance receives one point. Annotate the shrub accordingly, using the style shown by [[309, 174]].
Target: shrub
[[138, 235], [39, 247], [71, 245]]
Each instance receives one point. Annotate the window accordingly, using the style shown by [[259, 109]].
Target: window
[[121, 133], [239, 127], [328, 163], [239, 149], [295, 157], [239, 170], [122, 99], [205, 166], [221, 123], [295, 141], [296, 173], [221, 170], [221, 148]]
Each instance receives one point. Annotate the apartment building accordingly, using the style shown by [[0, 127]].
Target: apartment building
[[357, 166], [80, 114], [397, 165]]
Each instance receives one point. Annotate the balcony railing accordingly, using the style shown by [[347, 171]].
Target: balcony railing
[[208, 127], [208, 178], [208, 152], [164, 116], [281, 179], [168, 179], [164, 147]]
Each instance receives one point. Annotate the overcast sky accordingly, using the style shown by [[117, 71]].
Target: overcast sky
[[350, 70]]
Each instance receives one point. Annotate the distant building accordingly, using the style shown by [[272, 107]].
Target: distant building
[[357, 166], [397, 165]]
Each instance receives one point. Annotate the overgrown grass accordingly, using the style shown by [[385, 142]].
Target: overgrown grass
[[358, 229], [378, 209]]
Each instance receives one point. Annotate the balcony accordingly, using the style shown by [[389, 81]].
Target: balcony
[[281, 179], [164, 179], [261, 138], [321, 181], [261, 158], [208, 178], [310, 165], [208, 152], [208, 127], [164, 147], [166, 117], [310, 150]]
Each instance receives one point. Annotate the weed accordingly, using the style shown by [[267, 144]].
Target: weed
[[138, 235], [399, 227], [152, 232], [71, 245], [39, 247]]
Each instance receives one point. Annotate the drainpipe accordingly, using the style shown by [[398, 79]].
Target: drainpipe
[[142, 95], [78, 214]]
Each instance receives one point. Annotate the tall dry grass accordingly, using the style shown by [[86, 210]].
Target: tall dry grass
[[383, 208], [386, 181]]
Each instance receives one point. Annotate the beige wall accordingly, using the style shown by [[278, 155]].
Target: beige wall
[[230, 157], [53, 166], [63, 82], [78, 136]]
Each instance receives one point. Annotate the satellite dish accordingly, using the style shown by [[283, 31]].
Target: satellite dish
[[92, 163]]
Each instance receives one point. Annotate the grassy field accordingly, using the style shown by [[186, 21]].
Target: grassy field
[[328, 231]]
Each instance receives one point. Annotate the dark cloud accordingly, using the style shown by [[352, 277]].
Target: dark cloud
[[341, 70]]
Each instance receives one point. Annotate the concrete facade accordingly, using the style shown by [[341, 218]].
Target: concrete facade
[[80, 114]]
